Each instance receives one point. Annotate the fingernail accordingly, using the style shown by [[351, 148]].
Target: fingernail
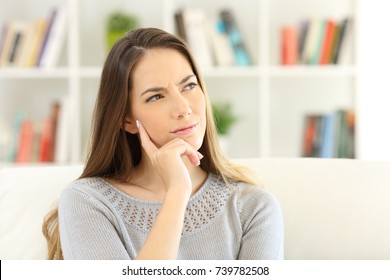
[[200, 156], [137, 123]]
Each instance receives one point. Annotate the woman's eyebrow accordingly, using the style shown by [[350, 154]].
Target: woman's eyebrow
[[186, 79], [157, 89]]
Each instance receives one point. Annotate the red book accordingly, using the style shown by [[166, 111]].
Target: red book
[[309, 135], [329, 37], [289, 45], [46, 140], [25, 143], [55, 111]]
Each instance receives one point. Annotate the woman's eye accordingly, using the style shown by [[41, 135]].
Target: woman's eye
[[190, 86], [154, 98]]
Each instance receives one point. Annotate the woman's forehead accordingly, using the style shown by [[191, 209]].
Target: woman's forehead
[[158, 67]]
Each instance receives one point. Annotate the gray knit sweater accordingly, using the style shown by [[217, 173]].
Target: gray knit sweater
[[237, 221]]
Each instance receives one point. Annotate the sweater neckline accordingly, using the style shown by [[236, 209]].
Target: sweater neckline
[[202, 208]]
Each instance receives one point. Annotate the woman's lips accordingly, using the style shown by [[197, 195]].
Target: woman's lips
[[185, 130]]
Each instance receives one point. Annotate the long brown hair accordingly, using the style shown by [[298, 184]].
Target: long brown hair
[[114, 152]]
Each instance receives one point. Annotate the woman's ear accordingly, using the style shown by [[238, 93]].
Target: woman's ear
[[130, 126]]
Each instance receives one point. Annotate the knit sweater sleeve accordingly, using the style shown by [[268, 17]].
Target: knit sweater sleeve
[[88, 230], [262, 224]]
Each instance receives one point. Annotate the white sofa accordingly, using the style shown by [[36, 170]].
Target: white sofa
[[333, 208]]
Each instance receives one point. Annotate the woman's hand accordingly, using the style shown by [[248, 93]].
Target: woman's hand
[[168, 161], [164, 237]]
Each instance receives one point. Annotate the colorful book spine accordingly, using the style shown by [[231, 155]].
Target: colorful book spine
[[239, 49], [290, 41], [320, 41], [330, 135]]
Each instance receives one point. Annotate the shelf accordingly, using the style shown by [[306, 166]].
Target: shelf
[[90, 72], [312, 70], [231, 72], [213, 72], [34, 73]]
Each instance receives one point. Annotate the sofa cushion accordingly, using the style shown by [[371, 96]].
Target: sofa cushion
[[26, 195], [333, 208]]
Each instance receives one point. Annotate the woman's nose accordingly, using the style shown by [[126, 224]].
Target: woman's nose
[[180, 106]]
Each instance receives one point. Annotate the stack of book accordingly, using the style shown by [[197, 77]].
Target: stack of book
[[44, 140], [34, 43], [217, 43], [329, 135], [317, 41]]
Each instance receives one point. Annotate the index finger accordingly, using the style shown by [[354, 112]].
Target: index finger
[[146, 142]]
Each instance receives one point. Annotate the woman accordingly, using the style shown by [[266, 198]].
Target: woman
[[156, 184]]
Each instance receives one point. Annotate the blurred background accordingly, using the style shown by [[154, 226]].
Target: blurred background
[[287, 78]]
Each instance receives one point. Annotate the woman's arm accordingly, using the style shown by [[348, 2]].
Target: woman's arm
[[88, 229], [163, 240], [164, 237], [263, 228]]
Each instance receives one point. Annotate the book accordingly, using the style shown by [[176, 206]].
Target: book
[[54, 38], [54, 116], [290, 44], [241, 54], [328, 136], [37, 132], [46, 140], [16, 42], [17, 125], [179, 25], [45, 36], [309, 135], [20, 29], [195, 29], [3, 34], [339, 43], [350, 124], [8, 36], [335, 39], [24, 153], [329, 34], [317, 139], [36, 43], [26, 49], [319, 42], [341, 134], [303, 27], [222, 50], [62, 142], [313, 41]]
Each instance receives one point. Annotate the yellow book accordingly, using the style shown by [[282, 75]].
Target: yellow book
[[37, 42]]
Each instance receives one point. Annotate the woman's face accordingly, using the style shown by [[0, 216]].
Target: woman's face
[[167, 99]]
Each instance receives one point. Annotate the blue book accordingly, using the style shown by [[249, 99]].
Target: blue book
[[240, 53], [328, 136]]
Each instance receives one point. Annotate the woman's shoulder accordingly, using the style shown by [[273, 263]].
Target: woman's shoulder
[[243, 193], [91, 187], [252, 197]]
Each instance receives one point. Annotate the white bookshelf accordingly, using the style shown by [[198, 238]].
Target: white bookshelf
[[270, 99]]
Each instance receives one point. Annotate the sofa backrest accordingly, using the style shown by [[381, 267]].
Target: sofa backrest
[[333, 208]]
